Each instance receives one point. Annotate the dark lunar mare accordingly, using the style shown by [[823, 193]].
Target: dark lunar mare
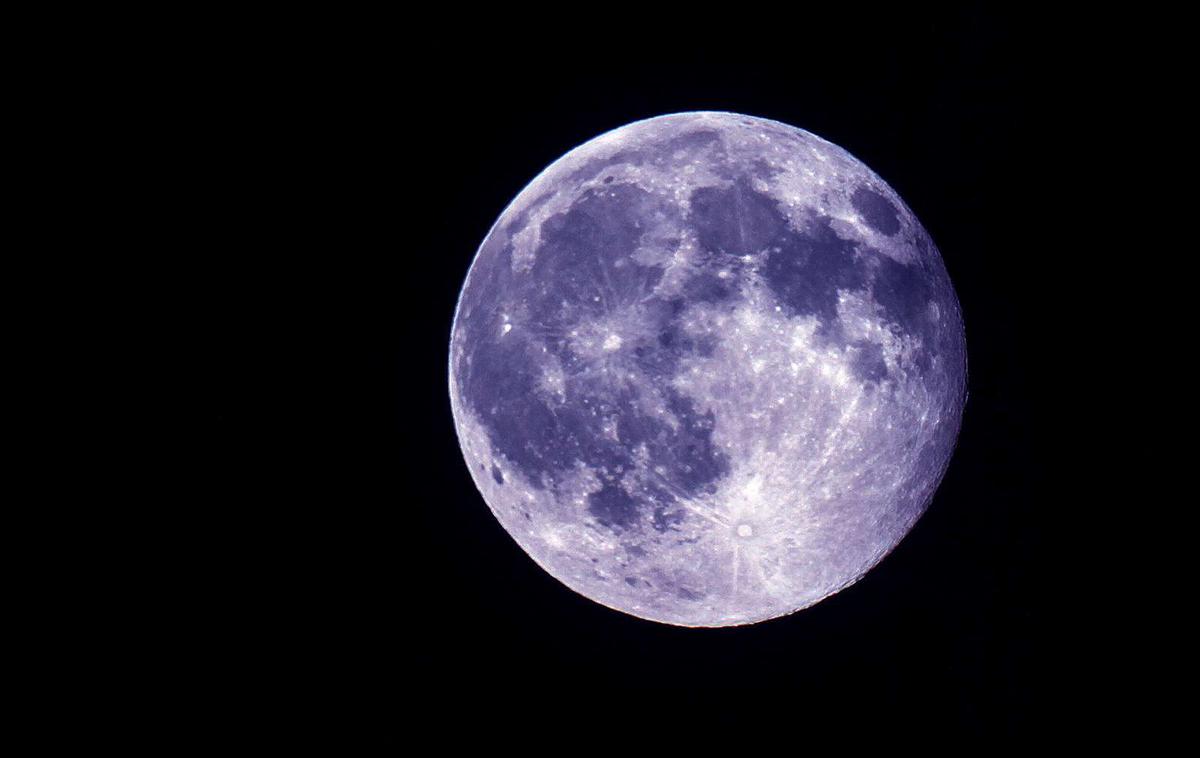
[[583, 269], [806, 269]]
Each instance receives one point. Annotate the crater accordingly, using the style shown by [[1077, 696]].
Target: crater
[[876, 210], [867, 362]]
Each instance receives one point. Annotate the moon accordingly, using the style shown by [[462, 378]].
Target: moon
[[707, 369]]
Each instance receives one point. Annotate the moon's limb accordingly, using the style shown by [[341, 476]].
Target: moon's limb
[[707, 369]]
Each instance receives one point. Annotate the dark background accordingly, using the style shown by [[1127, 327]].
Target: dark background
[[365, 173]]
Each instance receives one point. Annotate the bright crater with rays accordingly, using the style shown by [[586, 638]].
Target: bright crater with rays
[[707, 369]]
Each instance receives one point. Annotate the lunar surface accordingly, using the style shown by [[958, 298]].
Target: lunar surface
[[707, 369]]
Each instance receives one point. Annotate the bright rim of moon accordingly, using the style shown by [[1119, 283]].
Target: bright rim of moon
[[707, 369]]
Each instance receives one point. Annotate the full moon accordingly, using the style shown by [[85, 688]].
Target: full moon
[[707, 369]]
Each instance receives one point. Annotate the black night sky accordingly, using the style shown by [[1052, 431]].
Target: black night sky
[[371, 169]]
